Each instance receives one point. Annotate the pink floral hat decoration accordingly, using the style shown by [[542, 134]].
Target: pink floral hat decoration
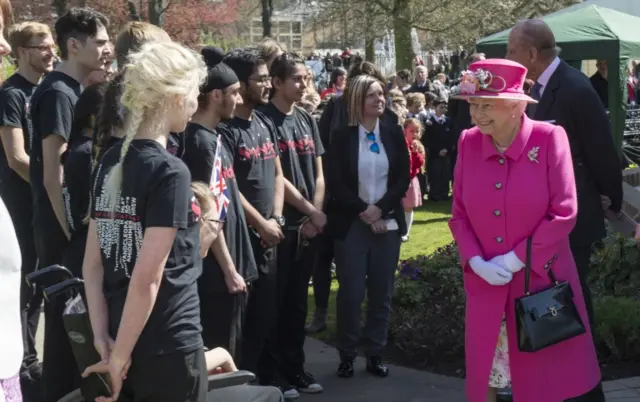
[[493, 79]]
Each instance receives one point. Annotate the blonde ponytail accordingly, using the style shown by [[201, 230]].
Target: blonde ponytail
[[114, 180]]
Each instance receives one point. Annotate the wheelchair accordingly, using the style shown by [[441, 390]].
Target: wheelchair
[[58, 281]]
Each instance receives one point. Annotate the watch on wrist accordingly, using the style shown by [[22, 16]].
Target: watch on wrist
[[279, 220]]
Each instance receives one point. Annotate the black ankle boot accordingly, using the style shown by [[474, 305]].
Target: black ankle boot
[[376, 367], [345, 369]]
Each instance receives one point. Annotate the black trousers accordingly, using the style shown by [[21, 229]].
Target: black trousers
[[222, 316], [175, 377], [60, 374], [424, 185], [439, 169], [285, 347], [582, 256], [322, 270], [595, 395], [261, 315]]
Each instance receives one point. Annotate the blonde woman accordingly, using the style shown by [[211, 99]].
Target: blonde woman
[[143, 248], [367, 176]]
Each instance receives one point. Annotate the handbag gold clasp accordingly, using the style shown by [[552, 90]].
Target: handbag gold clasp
[[554, 311]]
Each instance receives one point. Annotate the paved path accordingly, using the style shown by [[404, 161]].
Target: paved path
[[402, 385]]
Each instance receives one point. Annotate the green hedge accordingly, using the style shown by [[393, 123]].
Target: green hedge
[[427, 322]]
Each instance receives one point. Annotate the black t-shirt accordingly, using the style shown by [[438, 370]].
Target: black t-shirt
[[175, 144], [199, 154], [155, 192], [15, 95], [52, 112], [76, 187], [252, 144], [299, 144]]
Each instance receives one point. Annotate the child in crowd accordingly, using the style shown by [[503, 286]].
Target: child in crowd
[[398, 105], [210, 225], [416, 107], [439, 142], [413, 130], [431, 99]]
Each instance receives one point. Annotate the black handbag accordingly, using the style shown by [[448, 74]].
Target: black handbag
[[548, 316]]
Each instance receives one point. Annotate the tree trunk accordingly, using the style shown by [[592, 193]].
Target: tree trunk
[[402, 33], [369, 37], [267, 13], [156, 12], [370, 50], [133, 11], [60, 7]]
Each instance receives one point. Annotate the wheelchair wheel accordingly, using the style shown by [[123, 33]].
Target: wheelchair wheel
[[75, 396]]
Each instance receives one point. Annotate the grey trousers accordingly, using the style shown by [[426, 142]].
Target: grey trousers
[[365, 262], [245, 393]]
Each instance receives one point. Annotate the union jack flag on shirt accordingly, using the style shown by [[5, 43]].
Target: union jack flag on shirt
[[218, 185]]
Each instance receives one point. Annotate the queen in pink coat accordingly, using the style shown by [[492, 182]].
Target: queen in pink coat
[[514, 179]]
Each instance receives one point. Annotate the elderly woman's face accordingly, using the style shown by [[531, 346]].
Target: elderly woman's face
[[493, 115], [374, 101]]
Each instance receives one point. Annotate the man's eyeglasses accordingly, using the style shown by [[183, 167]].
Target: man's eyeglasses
[[265, 79], [42, 48], [373, 147]]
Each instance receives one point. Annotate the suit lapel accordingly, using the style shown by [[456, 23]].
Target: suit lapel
[[354, 151], [387, 141], [549, 94]]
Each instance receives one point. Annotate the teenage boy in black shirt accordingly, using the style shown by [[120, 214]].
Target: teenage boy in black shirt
[[251, 138], [300, 152], [83, 40], [230, 264], [33, 48]]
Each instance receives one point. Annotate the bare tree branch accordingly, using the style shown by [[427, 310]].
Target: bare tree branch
[[166, 7]]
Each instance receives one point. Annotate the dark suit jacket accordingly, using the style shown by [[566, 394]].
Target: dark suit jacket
[[461, 118], [342, 178], [570, 100], [335, 116]]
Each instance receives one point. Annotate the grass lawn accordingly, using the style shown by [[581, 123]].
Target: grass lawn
[[429, 231]]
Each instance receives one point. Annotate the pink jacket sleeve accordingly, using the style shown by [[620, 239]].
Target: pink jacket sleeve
[[463, 234], [563, 205]]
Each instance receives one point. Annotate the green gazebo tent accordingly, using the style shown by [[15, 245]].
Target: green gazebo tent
[[586, 33]]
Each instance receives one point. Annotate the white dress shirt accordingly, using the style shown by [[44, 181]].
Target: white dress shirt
[[544, 78], [373, 169], [10, 325]]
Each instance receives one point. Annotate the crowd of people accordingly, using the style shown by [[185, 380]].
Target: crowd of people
[[196, 194]]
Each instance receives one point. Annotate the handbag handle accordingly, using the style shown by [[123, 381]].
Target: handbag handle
[[527, 269]]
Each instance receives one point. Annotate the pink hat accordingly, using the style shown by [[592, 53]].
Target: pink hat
[[493, 79]]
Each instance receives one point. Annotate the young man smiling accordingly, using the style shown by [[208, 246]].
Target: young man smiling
[[251, 139], [300, 153], [33, 49], [83, 40]]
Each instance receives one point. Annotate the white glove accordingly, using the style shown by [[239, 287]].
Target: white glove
[[492, 273], [509, 261]]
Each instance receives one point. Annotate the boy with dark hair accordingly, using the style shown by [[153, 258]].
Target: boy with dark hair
[[439, 143], [33, 48], [82, 37], [251, 139], [300, 154]]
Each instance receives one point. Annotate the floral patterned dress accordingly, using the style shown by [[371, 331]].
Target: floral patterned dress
[[10, 390], [500, 372]]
